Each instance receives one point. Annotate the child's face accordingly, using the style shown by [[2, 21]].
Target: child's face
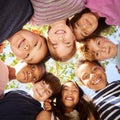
[[41, 91], [70, 95], [28, 46], [102, 48], [85, 26], [62, 40], [29, 73], [92, 76]]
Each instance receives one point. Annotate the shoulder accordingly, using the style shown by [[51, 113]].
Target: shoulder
[[44, 115]]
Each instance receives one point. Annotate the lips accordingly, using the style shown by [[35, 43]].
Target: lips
[[38, 93], [69, 98], [25, 75], [88, 23], [60, 32], [96, 82]]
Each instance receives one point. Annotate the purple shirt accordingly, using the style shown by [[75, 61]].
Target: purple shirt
[[110, 9], [49, 11]]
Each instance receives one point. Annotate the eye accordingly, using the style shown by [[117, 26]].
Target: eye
[[85, 33], [77, 23], [27, 55], [75, 90], [54, 45], [98, 43], [43, 83], [94, 69], [33, 67], [68, 44], [97, 54], [35, 44], [34, 78], [49, 92]]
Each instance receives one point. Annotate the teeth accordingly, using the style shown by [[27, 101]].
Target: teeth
[[69, 98], [96, 82]]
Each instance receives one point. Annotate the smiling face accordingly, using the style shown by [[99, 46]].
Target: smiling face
[[62, 39], [102, 48], [92, 75], [70, 95], [28, 46], [41, 91], [85, 26], [29, 73]]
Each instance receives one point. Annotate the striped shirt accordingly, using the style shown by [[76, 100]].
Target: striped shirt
[[107, 101], [49, 11]]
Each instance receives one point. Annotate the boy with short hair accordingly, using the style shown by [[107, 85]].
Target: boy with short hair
[[106, 97]]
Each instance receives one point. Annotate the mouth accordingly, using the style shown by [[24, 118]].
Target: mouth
[[88, 23], [60, 32], [108, 50], [69, 98], [96, 82], [21, 43], [38, 93], [25, 75]]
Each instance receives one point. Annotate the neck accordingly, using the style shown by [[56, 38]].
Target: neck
[[68, 110], [11, 73], [58, 22]]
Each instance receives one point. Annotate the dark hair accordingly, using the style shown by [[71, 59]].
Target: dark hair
[[53, 81], [101, 23], [83, 106]]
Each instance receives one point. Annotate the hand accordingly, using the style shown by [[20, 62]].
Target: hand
[[47, 104]]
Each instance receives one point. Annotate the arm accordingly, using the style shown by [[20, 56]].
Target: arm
[[44, 115]]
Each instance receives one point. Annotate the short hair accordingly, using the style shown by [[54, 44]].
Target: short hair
[[81, 61], [56, 56], [53, 81], [85, 51]]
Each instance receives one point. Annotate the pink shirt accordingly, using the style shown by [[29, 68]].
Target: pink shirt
[[49, 11], [110, 9], [4, 77]]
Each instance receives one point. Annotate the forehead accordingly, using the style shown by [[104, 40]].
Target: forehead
[[87, 66], [70, 85]]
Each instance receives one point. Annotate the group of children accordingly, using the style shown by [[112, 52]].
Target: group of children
[[69, 21]]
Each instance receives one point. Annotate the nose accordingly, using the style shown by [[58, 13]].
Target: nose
[[92, 76], [103, 49], [29, 74], [60, 37], [70, 92], [26, 47]]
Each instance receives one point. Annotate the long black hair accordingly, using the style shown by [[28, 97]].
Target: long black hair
[[83, 106]]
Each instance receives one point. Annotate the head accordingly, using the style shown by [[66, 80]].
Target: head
[[29, 72], [71, 94], [72, 98], [48, 86], [87, 23], [91, 74], [98, 48], [61, 38], [28, 46]]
